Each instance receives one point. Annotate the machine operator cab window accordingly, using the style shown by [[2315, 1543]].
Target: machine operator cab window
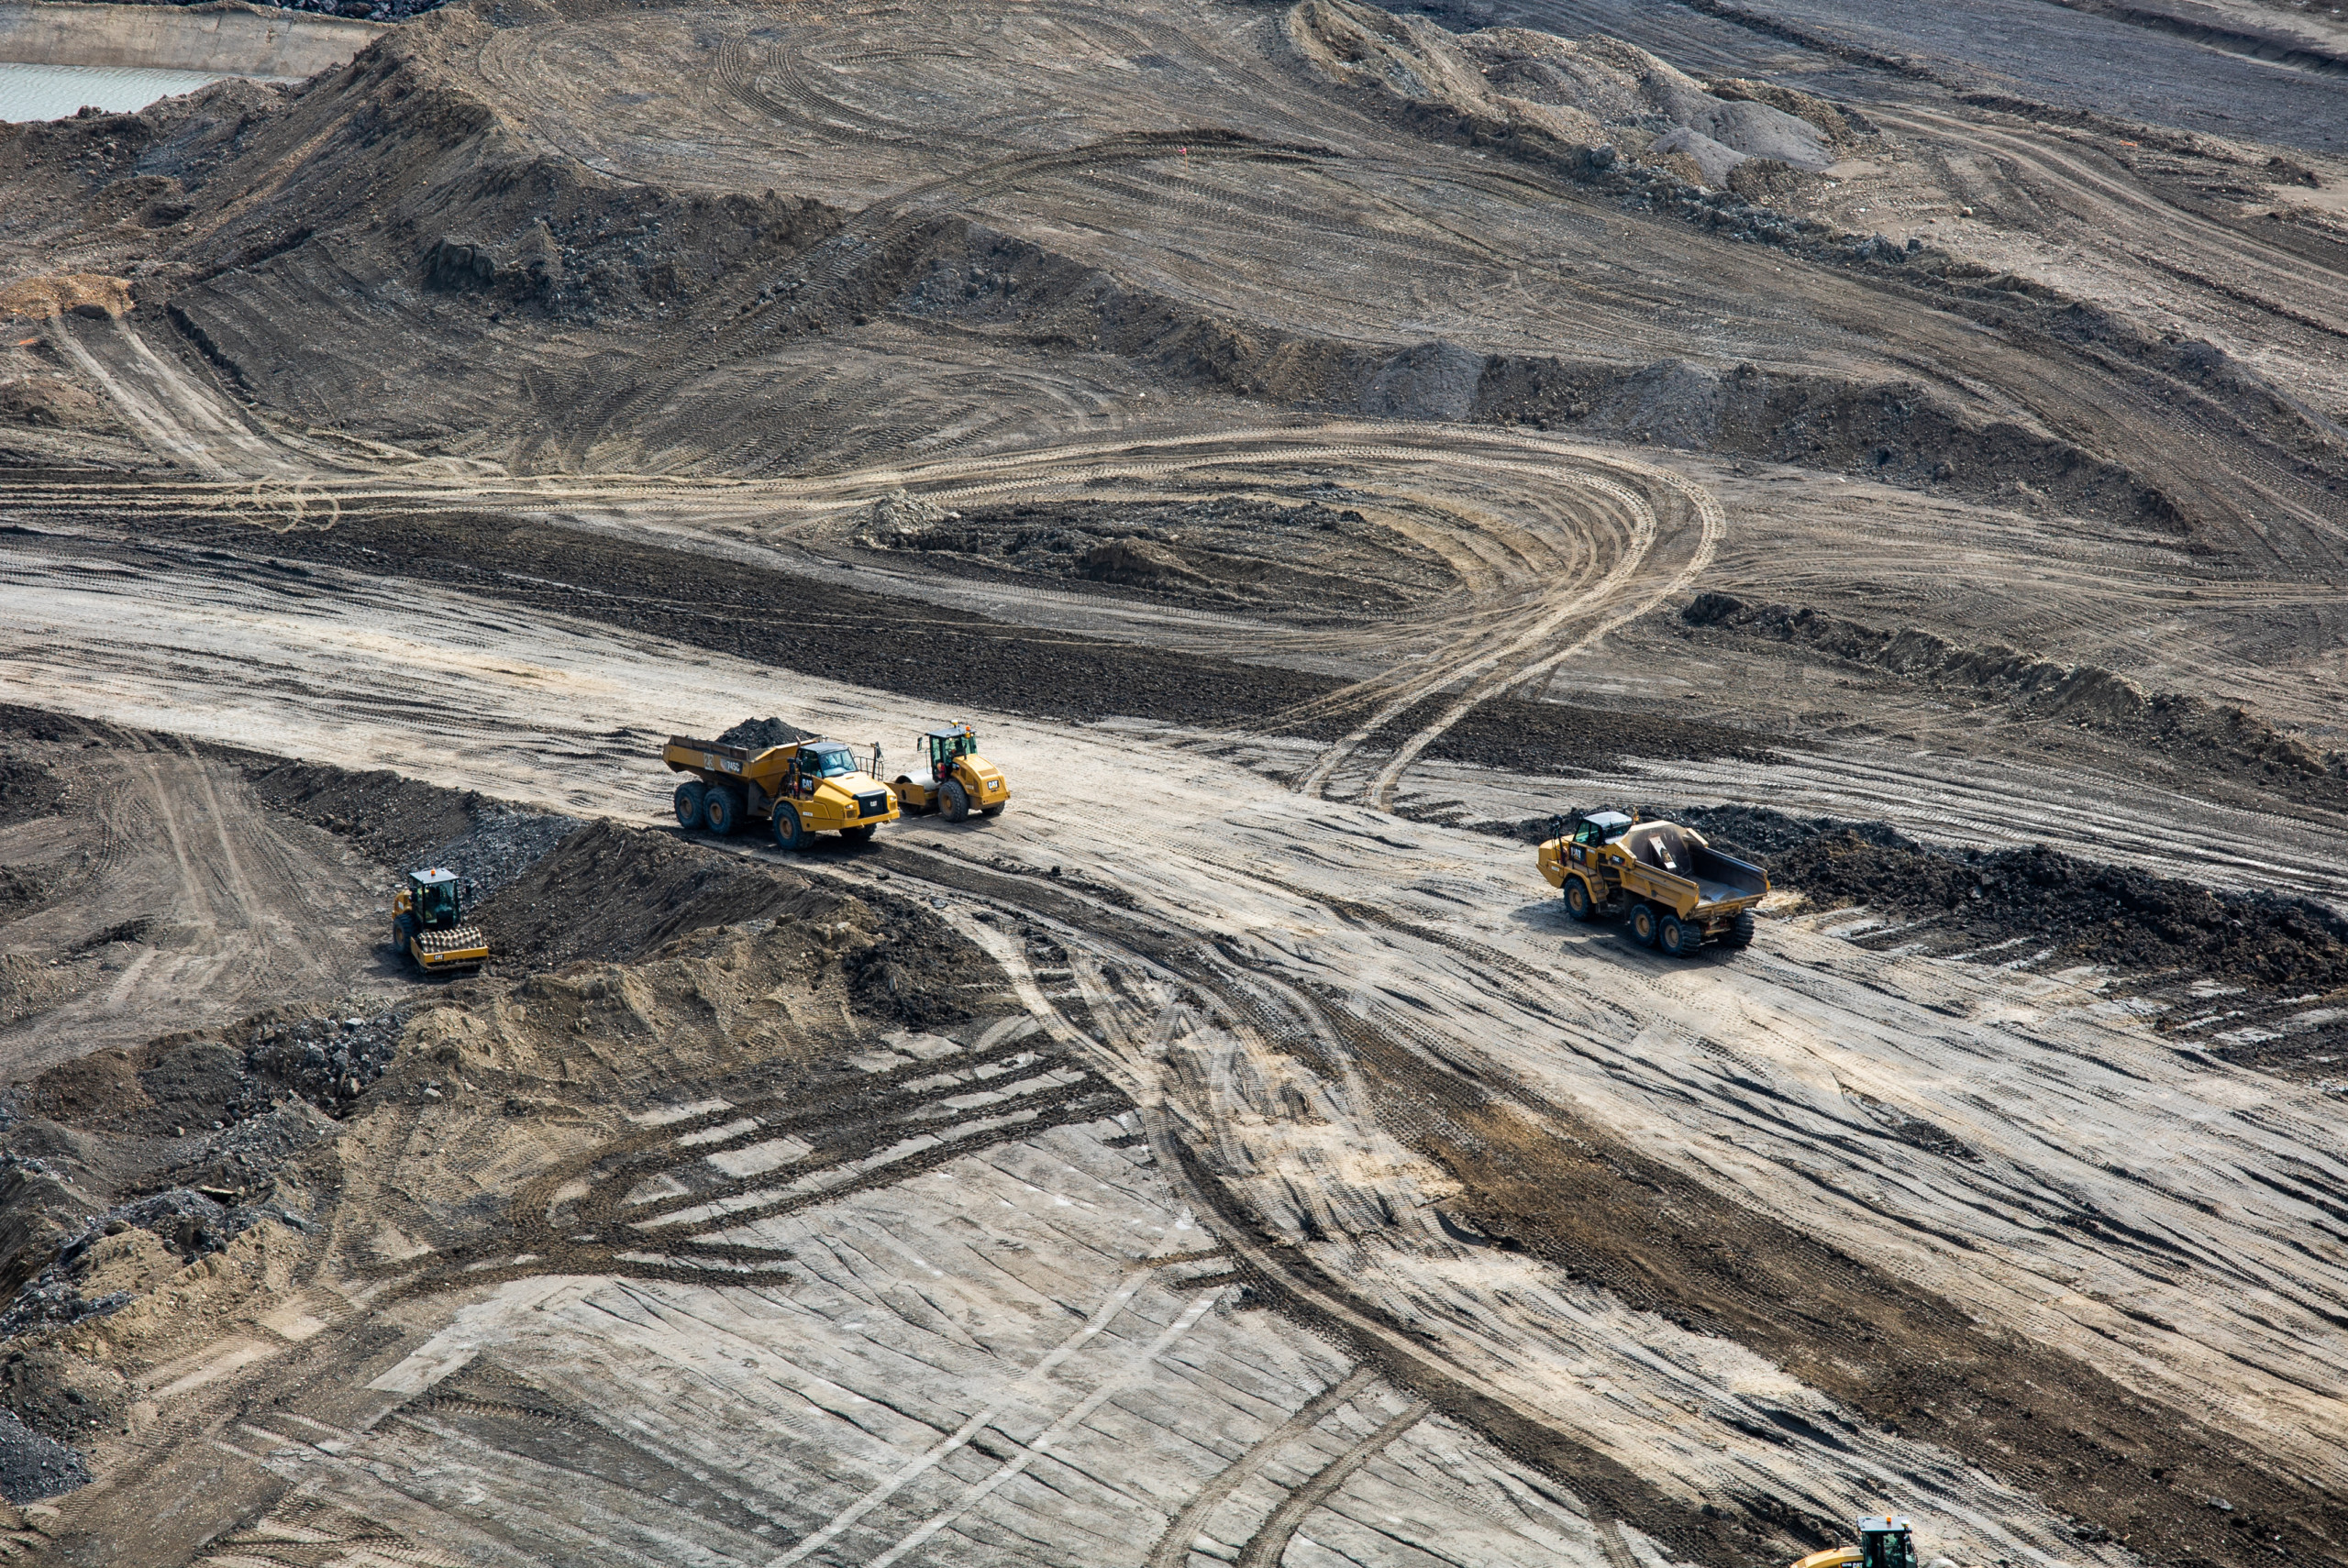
[[435, 900], [1887, 1542], [1601, 827], [830, 760], [944, 747]]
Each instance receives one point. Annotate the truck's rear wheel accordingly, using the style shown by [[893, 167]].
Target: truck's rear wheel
[[790, 832], [954, 801], [689, 803], [860, 835], [1676, 938], [1643, 925], [1740, 934], [721, 809], [1578, 902]]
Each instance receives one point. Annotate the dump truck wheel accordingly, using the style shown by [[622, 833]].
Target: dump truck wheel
[[1676, 938], [790, 832], [1578, 902], [689, 803], [1740, 933], [1643, 925], [954, 801], [721, 809], [860, 835]]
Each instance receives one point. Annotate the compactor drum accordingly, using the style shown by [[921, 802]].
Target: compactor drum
[[798, 790], [428, 924], [1673, 890], [955, 780]]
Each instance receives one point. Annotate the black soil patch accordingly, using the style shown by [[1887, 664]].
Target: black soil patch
[[615, 894], [29, 789], [1226, 552], [793, 622], [1524, 737], [2087, 911]]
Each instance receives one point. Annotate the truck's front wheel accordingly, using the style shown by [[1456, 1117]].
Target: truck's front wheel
[[790, 832], [1578, 902], [1643, 925]]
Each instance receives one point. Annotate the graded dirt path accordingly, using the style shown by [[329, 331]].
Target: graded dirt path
[[1323, 1015]]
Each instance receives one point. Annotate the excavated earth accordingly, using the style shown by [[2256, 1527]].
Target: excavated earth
[[1315, 447]]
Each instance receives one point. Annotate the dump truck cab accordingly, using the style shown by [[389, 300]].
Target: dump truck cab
[[1672, 889], [429, 924], [950, 778], [1885, 1541], [799, 791]]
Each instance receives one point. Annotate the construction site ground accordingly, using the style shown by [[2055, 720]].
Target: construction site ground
[[1312, 447]]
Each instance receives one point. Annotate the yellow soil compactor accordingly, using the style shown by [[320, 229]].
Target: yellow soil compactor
[[428, 924], [798, 790], [1885, 1541], [955, 780], [1678, 892]]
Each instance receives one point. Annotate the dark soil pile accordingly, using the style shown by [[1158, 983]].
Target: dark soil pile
[[29, 790], [615, 894], [2086, 912], [759, 734], [1227, 551], [33, 1466], [405, 823], [1556, 737]]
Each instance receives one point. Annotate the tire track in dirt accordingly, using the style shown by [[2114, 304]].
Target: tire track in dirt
[[1270, 1544], [1173, 1548]]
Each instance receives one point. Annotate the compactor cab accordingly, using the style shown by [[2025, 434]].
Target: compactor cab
[[428, 924], [955, 779], [1885, 1540]]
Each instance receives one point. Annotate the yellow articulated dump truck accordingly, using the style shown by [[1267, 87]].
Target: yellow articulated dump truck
[[1677, 891], [428, 924], [953, 779], [799, 791]]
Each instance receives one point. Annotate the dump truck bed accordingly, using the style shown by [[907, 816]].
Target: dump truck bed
[[1661, 854]]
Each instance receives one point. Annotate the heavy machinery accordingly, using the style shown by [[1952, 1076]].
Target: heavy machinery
[[958, 779], [1678, 892], [1885, 1541], [800, 789], [428, 924]]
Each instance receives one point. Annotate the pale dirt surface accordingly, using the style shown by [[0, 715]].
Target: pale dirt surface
[[1232, 1154]]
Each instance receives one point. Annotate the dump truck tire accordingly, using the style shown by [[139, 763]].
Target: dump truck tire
[[1676, 938], [689, 803], [954, 801], [1643, 925], [1578, 902], [860, 835], [1740, 933], [721, 809], [790, 832]]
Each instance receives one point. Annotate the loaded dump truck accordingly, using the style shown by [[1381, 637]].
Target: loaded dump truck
[[1678, 892], [799, 791], [428, 924], [955, 779]]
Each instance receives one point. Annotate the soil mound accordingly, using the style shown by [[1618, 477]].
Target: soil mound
[[2083, 910], [759, 734], [2221, 734], [405, 823]]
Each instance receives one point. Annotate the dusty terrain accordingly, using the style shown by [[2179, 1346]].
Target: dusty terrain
[[1314, 445]]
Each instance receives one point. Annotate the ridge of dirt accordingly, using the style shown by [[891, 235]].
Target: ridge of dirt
[[729, 606], [2222, 736], [1536, 736]]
